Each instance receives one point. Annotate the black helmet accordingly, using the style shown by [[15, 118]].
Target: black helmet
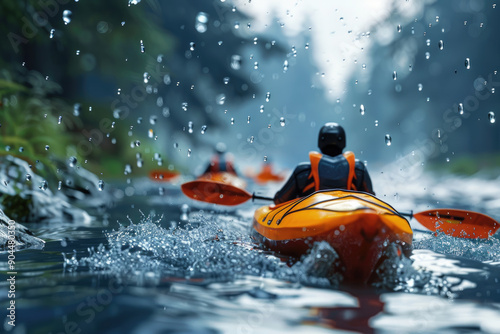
[[331, 139], [220, 148]]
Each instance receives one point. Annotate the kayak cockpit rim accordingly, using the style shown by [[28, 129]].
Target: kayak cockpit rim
[[293, 203]]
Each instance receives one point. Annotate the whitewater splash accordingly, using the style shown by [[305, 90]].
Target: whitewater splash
[[218, 247], [207, 249]]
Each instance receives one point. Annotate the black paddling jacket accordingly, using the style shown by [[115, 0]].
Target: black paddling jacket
[[325, 172], [220, 164]]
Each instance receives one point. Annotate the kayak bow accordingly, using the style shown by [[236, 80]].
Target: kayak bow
[[357, 225]]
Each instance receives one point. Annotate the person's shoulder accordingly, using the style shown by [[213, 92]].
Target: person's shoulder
[[302, 167], [360, 165]]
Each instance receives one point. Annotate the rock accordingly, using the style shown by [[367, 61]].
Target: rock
[[25, 196], [23, 237]]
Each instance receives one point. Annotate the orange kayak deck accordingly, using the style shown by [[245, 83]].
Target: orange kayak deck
[[357, 225]]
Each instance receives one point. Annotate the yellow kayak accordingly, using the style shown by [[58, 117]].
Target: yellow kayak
[[357, 225]]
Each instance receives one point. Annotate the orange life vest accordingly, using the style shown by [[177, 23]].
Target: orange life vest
[[332, 172]]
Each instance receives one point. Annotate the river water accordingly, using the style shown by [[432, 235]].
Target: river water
[[165, 264]]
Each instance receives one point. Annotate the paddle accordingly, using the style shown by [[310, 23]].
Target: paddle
[[217, 192], [458, 223], [453, 222]]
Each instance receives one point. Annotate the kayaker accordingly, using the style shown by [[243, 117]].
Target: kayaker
[[221, 162], [330, 169]]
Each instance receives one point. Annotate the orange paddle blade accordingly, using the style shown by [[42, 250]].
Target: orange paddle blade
[[162, 175], [458, 223], [215, 192]]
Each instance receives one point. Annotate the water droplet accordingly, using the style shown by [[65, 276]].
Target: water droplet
[[410, 68], [394, 75], [225, 80], [192, 46], [52, 31], [67, 16], [76, 109], [59, 120], [282, 121], [235, 62], [248, 119], [491, 117], [376, 123], [256, 65], [167, 80], [307, 46], [128, 169], [261, 108], [428, 42], [255, 39], [420, 87], [43, 185], [441, 44], [388, 140], [461, 108], [77, 52], [119, 91], [201, 22], [232, 121], [236, 25], [203, 129], [133, 2], [268, 96], [153, 119], [467, 63], [189, 152], [427, 55], [28, 177], [362, 109], [142, 47], [251, 140], [72, 161], [493, 90], [47, 147], [59, 185], [399, 28], [151, 133], [220, 99], [447, 159], [285, 65], [184, 106], [100, 185]]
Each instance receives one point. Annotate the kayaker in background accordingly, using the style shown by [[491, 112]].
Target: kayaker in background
[[221, 162], [329, 169]]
